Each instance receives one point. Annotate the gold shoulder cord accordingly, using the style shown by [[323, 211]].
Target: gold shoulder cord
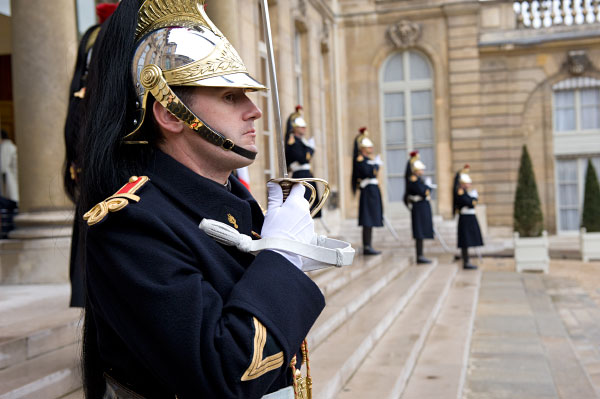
[[302, 385]]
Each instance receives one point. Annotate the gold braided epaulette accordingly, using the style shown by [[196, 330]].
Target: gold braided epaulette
[[117, 201]]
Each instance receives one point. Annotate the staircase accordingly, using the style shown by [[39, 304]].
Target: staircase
[[368, 341], [382, 315], [39, 342]]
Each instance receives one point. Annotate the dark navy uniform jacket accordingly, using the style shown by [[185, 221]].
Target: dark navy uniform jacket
[[299, 152], [421, 218], [469, 234], [175, 312], [370, 208]]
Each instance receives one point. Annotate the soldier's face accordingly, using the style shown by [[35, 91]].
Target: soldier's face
[[419, 172], [299, 131], [367, 151], [230, 112]]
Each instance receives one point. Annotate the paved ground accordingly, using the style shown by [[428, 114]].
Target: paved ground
[[536, 336]]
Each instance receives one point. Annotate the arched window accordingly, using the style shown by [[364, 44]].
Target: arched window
[[408, 116], [576, 106]]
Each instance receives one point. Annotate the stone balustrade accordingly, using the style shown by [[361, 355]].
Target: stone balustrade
[[534, 14]]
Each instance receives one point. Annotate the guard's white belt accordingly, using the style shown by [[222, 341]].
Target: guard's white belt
[[415, 198], [322, 252], [296, 166], [365, 182], [467, 211]]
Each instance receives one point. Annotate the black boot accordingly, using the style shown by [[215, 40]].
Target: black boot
[[367, 236], [420, 258], [465, 256]]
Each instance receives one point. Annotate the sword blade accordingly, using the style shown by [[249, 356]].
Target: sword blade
[[279, 136]]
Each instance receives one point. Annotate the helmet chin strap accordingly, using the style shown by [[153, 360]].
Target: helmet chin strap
[[154, 81]]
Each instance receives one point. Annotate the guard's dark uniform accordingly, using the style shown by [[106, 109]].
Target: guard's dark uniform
[[422, 221], [370, 209], [469, 234], [298, 155], [187, 316]]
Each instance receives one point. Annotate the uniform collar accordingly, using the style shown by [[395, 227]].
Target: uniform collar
[[205, 198]]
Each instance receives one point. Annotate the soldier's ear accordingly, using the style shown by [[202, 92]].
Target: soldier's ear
[[166, 121]]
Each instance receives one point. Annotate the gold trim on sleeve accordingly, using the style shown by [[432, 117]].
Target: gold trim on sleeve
[[260, 366]]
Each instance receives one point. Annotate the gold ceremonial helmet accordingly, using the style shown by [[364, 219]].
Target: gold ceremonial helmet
[[362, 140], [415, 162], [463, 176], [178, 45]]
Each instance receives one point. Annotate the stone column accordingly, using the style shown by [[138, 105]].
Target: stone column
[[44, 44], [224, 14]]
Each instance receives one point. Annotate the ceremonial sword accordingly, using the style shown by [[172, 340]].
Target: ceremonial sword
[[284, 181]]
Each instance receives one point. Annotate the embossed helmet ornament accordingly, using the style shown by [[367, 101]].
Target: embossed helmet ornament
[[178, 45]]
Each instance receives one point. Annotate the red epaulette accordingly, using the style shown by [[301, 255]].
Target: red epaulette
[[117, 201]]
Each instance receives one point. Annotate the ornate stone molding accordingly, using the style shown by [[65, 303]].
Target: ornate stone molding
[[404, 33], [577, 62]]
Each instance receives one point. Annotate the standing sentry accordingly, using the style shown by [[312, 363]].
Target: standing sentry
[[416, 198], [171, 312], [365, 169]]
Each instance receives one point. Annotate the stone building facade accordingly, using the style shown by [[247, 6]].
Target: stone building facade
[[463, 81]]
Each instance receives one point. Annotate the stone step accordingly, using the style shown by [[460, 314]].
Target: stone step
[[441, 368], [48, 376], [389, 363], [342, 352], [342, 306], [333, 279], [35, 320], [31, 338]]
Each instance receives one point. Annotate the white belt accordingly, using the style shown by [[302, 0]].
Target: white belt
[[415, 198], [296, 166], [284, 393], [365, 182], [467, 211], [323, 252]]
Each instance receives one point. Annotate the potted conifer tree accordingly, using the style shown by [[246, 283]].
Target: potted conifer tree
[[530, 238], [590, 220]]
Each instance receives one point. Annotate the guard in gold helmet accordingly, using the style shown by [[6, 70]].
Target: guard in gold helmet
[[299, 150], [416, 198], [465, 200], [365, 169], [170, 312], [72, 166]]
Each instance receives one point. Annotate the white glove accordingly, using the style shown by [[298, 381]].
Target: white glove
[[310, 142], [290, 219], [429, 182], [473, 193], [378, 160]]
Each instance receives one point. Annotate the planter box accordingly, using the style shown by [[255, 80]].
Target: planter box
[[590, 245], [531, 253]]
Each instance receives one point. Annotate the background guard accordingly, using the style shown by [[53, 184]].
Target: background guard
[[364, 175], [416, 198], [73, 142], [299, 151], [469, 233]]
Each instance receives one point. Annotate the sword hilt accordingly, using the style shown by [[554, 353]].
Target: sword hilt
[[287, 184]]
